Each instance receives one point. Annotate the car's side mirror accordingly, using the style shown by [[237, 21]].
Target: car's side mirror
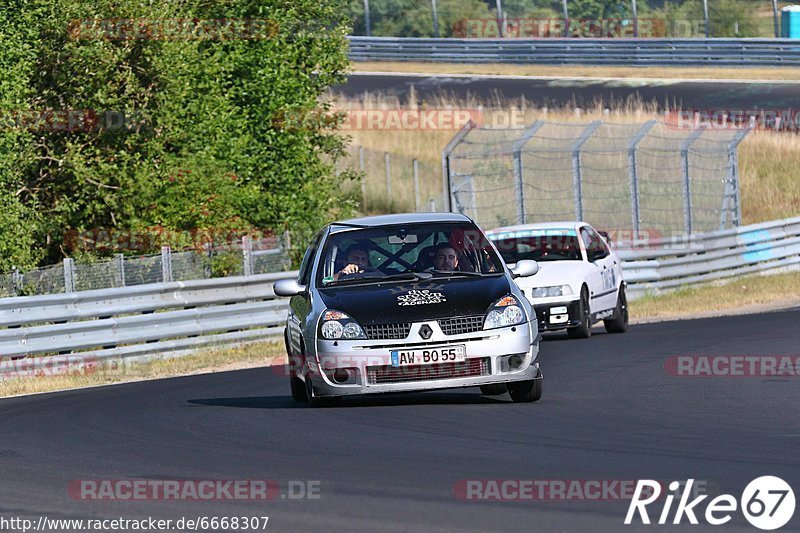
[[525, 268], [288, 287]]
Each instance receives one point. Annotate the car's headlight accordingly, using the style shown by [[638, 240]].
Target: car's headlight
[[339, 325], [503, 313], [546, 292]]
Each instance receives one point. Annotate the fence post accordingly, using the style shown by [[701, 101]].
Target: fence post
[[121, 269], [16, 280], [69, 274], [577, 180], [166, 264], [454, 142], [633, 172], [363, 176], [687, 188], [416, 185], [247, 256], [388, 179], [433, 205], [366, 18], [519, 181], [733, 177]]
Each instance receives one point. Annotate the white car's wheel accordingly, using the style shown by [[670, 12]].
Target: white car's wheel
[[584, 329], [619, 324], [495, 389], [525, 391]]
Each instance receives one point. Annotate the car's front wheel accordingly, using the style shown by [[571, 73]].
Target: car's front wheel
[[525, 391], [619, 324], [584, 329]]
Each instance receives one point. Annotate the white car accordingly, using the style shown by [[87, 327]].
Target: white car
[[579, 280]]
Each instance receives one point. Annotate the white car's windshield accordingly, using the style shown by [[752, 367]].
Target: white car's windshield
[[538, 244], [405, 252]]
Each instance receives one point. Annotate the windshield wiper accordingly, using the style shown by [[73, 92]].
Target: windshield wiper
[[458, 273]]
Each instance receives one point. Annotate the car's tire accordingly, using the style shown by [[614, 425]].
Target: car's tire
[[317, 401], [298, 389], [583, 330], [525, 391], [619, 324], [495, 389]]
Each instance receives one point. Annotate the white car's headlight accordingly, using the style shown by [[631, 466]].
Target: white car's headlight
[[503, 313], [546, 292], [339, 325]]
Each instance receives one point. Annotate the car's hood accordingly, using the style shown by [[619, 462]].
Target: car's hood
[[411, 301], [556, 273]]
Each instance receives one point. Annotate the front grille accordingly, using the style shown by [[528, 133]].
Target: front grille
[[399, 330], [461, 325], [403, 374]]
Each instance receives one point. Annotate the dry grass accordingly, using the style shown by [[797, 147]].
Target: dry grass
[[204, 361], [769, 162], [582, 71], [747, 293]]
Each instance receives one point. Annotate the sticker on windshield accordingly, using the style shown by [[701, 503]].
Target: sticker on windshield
[[421, 297]]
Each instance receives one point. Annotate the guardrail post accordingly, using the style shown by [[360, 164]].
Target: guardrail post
[[247, 256], [166, 264], [687, 189], [388, 179], [69, 274], [634, 174], [519, 181], [577, 181], [121, 269], [454, 142], [416, 185], [433, 205]]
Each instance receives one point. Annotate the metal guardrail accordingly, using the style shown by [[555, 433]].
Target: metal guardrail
[[134, 321], [62, 332], [664, 265], [718, 52]]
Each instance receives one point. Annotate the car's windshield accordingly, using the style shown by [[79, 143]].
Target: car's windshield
[[403, 252], [538, 244]]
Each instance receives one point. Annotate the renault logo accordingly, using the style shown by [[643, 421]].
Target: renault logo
[[425, 331]]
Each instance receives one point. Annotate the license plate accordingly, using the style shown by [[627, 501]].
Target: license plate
[[429, 356]]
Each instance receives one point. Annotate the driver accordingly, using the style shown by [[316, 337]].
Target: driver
[[445, 257], [357, 261]]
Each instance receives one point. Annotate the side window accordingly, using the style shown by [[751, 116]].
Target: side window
[[305, 267], [595, 247]]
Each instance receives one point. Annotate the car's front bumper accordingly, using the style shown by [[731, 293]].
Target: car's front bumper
[[369, 369], [555, 315]]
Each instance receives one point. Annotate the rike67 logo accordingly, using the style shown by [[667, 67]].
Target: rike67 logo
[[767, 503]]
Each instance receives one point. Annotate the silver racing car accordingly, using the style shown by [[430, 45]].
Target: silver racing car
[[409, 302]]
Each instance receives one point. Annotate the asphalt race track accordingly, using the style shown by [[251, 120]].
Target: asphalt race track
[[610, 411], [698, 95]]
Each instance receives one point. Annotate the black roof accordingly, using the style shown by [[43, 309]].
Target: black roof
[[401, 218]]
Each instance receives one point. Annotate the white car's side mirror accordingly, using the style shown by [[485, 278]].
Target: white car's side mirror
[[288, 287], [525, 268]]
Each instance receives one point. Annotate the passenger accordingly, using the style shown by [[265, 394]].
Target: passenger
[[357, 261]]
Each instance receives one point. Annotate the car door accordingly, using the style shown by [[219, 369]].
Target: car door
[[604, 276], [300, 305]]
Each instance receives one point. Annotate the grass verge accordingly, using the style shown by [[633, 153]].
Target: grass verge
[[582, 71], [207, 360], [746, 294]]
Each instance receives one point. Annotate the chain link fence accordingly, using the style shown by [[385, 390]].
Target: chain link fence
[[248, 257], [650, 177]]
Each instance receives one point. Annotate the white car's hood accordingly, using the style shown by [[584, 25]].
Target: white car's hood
[[553, 273]]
